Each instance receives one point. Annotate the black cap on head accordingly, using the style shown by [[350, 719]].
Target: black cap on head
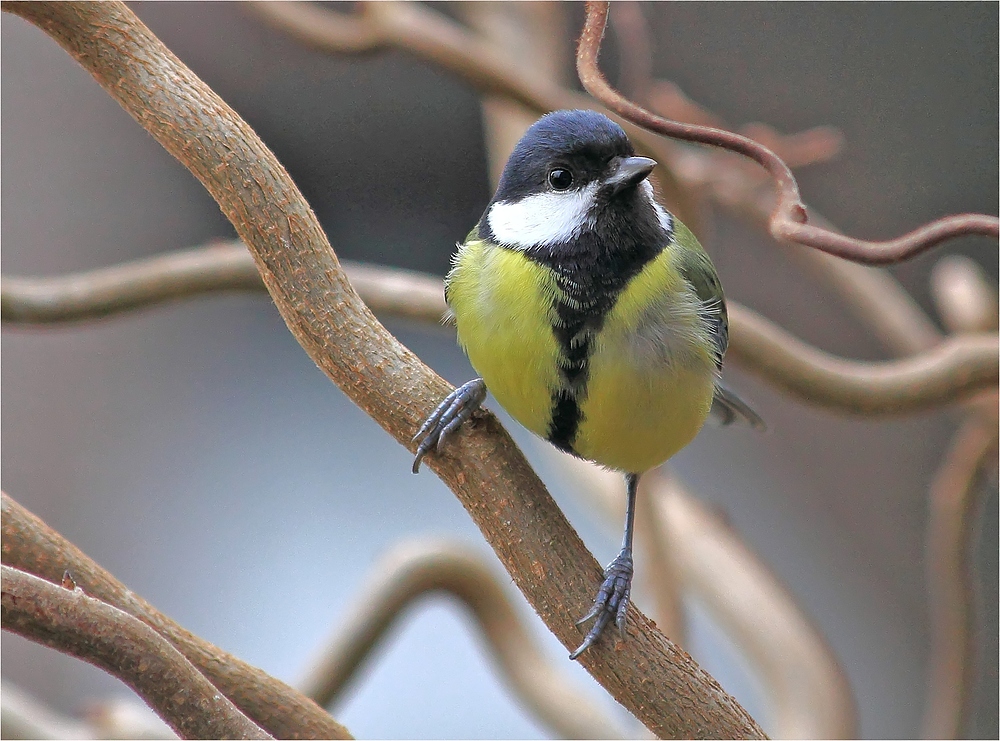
[[582, 142]]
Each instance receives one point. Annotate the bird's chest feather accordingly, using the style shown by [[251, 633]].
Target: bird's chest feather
[[606, 366]]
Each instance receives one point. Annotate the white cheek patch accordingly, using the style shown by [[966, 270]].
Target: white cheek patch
[[543, 219], [666, 220]]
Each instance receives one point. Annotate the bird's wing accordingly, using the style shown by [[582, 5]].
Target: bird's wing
[[697, 269]]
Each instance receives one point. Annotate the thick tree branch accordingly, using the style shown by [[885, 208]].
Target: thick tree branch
[[413, 570], [70, 621], [32, 546], [789, 219], [649, 675]]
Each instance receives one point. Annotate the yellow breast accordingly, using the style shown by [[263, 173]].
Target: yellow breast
[[651, 372], [503, 313]]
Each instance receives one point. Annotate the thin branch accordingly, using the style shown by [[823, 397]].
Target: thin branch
[[73, 623], [949, 576], [955, 369], [804, 682], [415, 569], [32, 546], [649, 675], [221, 267], [788, 221]]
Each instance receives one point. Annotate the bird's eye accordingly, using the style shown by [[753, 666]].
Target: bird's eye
[[560, 179]]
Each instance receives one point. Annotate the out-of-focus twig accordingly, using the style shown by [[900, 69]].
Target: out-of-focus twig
[[22, 716], [225, 266], [635, 49], [967, 303], [25, 717], [949, 587], [648, 674], [951, 370], [964, 297], [789, 219], [805, 684], [82, 626], [412, 570], [32, 546]]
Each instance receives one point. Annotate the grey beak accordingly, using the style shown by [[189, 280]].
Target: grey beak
[[629, 171]]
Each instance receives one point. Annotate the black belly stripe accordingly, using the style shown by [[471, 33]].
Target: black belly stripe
[[591, 272]]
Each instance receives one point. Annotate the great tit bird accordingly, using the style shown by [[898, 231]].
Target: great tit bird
[[593, 315]]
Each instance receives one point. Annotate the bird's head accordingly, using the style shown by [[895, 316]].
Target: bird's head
[[568, 173]]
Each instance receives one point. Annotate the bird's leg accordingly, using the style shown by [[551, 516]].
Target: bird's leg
[[457, 407], [612, 597]]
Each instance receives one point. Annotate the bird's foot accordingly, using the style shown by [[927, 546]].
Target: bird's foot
[[611, 602], [457, 407]]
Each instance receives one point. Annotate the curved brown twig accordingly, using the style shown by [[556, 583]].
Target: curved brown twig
[[951, 370], [33, 547], [412, 570], [949, 575], [73, 623], [647, 674], [789, 219], [226, 266], [808, 690]]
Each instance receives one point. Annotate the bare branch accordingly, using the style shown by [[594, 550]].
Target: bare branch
[[953, 370], [32, 546], [649, 675], [73, 623], [226, 266], [415, 569], [949, 576], [789, 219]]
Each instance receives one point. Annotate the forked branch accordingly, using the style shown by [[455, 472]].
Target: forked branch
[[72, 622]]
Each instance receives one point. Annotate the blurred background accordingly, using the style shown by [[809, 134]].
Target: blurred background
[[196, 452]]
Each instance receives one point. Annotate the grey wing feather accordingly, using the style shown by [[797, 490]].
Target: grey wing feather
[[727, 408]]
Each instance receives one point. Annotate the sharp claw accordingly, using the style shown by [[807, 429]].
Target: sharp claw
[[593, 613], [611, 602], [595, 632], [449, 415]]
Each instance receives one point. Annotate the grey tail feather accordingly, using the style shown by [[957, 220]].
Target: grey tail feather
[[727, 408]]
